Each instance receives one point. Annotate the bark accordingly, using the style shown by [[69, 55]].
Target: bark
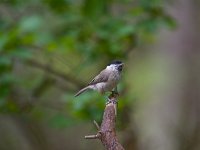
[[107, 133]]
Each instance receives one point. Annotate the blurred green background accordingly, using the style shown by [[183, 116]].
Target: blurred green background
[[49, 49]]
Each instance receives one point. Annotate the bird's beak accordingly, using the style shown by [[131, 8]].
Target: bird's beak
[[122, 64]]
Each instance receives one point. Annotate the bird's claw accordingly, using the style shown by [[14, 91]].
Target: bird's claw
[[111, 101], [108, 101], [115, 93]]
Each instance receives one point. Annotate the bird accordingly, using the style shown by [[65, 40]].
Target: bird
[[106, 80]]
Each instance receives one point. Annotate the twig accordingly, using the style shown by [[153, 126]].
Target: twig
[[44, 67], [107, 133], [97, 125], [98, 135]]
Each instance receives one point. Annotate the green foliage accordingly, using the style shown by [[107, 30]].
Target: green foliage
[[61, 38]]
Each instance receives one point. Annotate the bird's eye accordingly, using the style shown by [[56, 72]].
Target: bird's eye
[[120, 68]]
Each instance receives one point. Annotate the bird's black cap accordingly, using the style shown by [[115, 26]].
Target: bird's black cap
[[115, 62]]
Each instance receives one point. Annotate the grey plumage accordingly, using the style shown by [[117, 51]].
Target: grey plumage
[[106, 80], [102, 77], [81, 91]]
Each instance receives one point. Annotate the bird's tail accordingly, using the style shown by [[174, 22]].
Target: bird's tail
[[82, 90]]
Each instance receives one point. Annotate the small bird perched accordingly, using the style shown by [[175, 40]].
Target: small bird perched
[[106, 80]]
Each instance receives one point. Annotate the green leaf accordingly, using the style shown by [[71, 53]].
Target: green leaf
[[137, 11], [21, 53], [30, 24], [6, 78], [5, 60], [125, 30], [3, 40], [170, 22], [95, 8]]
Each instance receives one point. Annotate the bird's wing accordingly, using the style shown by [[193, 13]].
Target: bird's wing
[[102, 77]]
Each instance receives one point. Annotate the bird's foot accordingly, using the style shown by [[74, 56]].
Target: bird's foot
[[108, 101], [111, 101], [114, 94]]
